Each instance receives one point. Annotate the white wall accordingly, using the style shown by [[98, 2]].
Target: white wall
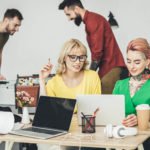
[[45, 29]]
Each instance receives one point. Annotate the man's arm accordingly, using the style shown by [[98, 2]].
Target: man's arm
[[0, 58], [1, 76], [95, 39]]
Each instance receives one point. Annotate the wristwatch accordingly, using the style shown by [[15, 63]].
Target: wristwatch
[[94, 65]]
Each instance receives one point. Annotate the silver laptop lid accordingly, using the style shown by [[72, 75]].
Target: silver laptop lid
[[54, 113], [111, 108]]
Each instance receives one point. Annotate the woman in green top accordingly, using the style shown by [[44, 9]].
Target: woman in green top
[[136, 88]]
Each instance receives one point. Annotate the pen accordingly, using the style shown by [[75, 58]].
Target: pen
[[49, 60], [94, 115]]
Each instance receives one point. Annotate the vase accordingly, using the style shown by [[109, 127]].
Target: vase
[[25, 116]]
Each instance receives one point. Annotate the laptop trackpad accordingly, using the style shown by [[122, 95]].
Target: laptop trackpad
[[39, 130]]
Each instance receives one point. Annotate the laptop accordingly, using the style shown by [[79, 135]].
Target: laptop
[[52, 118], [111, 108]]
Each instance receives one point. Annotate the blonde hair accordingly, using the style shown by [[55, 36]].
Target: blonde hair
[[67, 48]]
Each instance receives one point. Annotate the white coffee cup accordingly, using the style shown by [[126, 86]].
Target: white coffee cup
[[143, 116]]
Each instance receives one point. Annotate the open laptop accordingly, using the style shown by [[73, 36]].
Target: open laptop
[[111, 108], [52, 118]]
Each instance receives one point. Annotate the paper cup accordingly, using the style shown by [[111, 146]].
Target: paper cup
[[143, 116]]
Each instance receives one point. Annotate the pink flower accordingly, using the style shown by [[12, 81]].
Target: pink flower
[[23, 98]]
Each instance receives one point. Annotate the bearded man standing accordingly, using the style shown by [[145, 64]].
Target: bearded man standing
[[105, 52], [8, 26]]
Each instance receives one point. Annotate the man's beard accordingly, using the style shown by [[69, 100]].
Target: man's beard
[[78, 20], [11, 33], [8, 31]]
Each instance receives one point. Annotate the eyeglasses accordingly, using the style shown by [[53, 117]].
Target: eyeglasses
[[74, 58]]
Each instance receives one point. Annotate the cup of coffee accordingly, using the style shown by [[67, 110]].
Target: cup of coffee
[[143, 116]]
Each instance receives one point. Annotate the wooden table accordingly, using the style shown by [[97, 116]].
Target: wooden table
[[76, 138]]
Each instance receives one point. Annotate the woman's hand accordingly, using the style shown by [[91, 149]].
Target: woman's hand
[[45, 71], [2, 77], [130, 120]]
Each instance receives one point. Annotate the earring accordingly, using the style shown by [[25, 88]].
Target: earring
[[147, 67], [146, 71], [146, 74]]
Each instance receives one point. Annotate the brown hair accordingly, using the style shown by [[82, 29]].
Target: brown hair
[[140, 44], [70, 4], [11, 13]]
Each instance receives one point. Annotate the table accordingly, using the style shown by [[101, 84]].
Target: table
[[76, 138]]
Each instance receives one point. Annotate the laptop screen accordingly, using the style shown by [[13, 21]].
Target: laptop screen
[[54, 112]]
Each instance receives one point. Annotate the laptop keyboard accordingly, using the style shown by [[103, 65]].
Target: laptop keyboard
[[38, 130]]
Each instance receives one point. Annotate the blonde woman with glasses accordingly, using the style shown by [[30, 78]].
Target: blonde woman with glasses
[[72, 77]]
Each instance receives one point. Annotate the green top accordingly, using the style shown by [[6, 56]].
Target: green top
[[3, 39], [142, 96]]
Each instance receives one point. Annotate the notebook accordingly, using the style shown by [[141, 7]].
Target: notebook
[[52, 118], [111, 108]]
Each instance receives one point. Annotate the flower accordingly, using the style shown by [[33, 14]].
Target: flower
[[23, 98]]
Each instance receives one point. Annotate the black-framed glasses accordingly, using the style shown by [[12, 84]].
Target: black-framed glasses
[[74, 58]]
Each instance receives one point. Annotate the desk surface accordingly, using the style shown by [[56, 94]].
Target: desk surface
[[76, 138]]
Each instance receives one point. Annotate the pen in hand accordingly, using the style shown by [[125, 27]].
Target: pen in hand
[[49, 61]]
